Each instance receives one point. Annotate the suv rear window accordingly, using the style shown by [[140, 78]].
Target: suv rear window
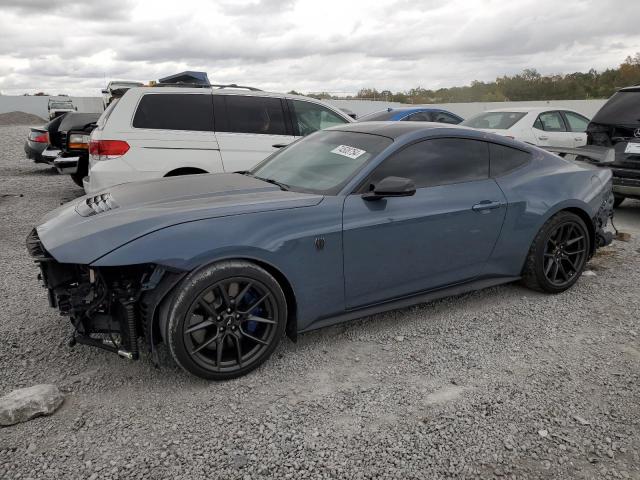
[[175, 112], [623, 108]]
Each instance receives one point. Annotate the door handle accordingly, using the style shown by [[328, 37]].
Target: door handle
[[543, 138], [279, 145], [578, 139], [486, 205]]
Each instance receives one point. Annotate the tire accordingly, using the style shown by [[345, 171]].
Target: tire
[[617, 200], [83, 171], [561, 247], [77, 179], [216, 336]]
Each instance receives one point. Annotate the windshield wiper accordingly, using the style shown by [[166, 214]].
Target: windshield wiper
[[283, 186]]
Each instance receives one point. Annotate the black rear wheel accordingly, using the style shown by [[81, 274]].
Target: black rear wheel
[[225, 320], [558, 254]]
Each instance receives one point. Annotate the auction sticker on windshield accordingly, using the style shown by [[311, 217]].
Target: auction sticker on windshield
[[347, 151]]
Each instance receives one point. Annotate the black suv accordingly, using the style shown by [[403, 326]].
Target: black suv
[[617, 125]]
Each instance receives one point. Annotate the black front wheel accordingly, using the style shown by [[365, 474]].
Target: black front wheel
[[225, 320], [558, 254]]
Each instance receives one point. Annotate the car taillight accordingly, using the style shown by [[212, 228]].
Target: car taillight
[[78, 141], [107, 149], [42, 138]]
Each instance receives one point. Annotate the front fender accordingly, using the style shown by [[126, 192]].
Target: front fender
[[285, 240]]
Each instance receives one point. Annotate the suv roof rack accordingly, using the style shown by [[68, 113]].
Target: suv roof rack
[[181, 84], [233, 85]]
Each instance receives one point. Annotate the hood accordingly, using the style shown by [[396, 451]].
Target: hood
[[89, 227]]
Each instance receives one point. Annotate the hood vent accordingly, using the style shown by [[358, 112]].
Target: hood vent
[[96, 204]]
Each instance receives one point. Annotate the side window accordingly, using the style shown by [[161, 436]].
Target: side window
[[418, 117], [250, 114], [505, 159], [168, 111], [443, 117], [550, 122], [309, 117], [577, 123], [439, 161]]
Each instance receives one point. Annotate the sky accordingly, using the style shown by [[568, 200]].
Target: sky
[[338, 46]]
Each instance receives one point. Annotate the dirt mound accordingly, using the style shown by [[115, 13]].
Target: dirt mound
[[20, 118]]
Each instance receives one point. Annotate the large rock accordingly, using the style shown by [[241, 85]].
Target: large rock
[[26, 403]]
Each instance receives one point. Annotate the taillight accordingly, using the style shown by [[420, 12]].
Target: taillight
[[42, 138], [107, 149], [78, 141]]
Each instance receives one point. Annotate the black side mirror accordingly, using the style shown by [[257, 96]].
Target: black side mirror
[[391, 187]]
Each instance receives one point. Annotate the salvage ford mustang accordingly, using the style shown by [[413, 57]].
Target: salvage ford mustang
[[347, 222]]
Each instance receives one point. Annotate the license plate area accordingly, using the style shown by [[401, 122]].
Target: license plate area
[[633, 148]]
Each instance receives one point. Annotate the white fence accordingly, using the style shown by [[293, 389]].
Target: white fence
[[38, 105]]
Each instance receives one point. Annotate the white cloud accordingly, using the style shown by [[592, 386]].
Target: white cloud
[[334, 45]]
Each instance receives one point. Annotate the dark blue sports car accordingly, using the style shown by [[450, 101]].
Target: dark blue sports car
[[413, 114], [344, 223]]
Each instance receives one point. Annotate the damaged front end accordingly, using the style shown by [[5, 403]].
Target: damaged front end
[[110, 308], [602, 218]]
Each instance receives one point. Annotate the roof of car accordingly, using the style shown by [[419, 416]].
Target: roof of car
[[408, 110], [395, 129], [218, 90]]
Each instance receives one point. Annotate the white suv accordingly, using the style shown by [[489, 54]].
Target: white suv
[[154, 132]]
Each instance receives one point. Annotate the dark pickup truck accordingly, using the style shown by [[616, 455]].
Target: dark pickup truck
[[617, 125]]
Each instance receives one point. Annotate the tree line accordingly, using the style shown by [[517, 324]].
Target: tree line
[[528, 85]]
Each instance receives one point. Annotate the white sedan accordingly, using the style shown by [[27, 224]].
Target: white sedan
[[544, 127]]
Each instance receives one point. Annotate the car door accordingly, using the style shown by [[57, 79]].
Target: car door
[[249, 128], [442, 235], [170, 131], [577, 125], [550, 130]]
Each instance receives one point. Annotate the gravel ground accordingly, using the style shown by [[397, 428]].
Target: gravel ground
[[502, 383]]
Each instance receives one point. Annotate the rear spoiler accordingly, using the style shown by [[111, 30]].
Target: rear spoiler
[[589, 153]]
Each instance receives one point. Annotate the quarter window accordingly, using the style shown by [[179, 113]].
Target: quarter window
[[250, 114], [577, 123], [439, 161], [310, 117], [506, 159], [442, 117], [175, 112], [418, 117], [550, 122]]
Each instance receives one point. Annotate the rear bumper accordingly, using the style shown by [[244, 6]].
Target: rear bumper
[[49, 155], [66, 165], [626, 183], [34, 151]]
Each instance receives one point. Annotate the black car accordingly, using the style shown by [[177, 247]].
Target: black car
[[617, 126], [36, 143], [70, 135]]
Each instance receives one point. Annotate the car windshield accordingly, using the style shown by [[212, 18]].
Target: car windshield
[[322, 162], [62, 105], [494, 120]]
